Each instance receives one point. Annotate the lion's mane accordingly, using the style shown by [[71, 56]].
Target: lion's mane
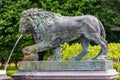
[[39, 19]]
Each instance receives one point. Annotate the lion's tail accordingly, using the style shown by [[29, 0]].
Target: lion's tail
[[102, 30]]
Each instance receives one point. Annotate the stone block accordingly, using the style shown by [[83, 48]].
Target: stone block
[[66, 75], [98, 65], [66, 70]]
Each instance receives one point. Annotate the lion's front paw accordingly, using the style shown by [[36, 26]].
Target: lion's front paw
[[28, 57], [29, 49]]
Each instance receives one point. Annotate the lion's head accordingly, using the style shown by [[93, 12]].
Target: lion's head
[[25, 26], [36, 21]]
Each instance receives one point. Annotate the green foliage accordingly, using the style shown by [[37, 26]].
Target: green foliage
[[48, 53], [116, 66], [114, 49], [74, 49], [11, 70], [68, 51], [10, 12], [108, 11]]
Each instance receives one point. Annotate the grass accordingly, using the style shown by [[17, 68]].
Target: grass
[[11, 70]]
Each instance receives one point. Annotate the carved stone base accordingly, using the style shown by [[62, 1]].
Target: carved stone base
[[67, 70], [98, 65], [66, 75]]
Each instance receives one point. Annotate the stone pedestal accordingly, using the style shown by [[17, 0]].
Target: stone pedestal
[[67, 70], [66, 75]]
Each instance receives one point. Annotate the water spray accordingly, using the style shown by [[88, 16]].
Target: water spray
[[3, 72], [12, 52]]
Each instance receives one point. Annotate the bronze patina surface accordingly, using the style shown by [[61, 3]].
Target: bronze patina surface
[[92, 65], [51, 29]]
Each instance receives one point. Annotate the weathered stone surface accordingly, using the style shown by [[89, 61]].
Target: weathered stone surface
[[96, 65], [66, 75], [50, 30]]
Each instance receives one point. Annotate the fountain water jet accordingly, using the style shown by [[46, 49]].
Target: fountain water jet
[[3, 75]]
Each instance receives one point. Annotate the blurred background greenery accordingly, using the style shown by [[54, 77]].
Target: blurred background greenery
[[107, 11]]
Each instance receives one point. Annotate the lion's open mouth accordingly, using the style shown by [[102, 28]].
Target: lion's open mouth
[[24, 31]]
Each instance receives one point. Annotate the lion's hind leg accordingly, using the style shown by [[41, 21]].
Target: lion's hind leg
[[97, 38], [57, 53], [85, 49]]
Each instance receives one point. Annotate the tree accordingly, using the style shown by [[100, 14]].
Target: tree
[[108, 11], [9, 24]]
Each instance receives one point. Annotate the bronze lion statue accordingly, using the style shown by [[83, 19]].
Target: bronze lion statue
[[50, 30]]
